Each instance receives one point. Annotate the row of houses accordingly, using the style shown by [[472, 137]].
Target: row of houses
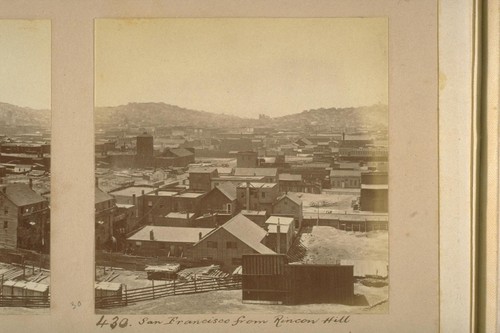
[[121, 211]]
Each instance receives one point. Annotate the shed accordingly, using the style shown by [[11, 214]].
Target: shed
[[108, 289], [36, 289]]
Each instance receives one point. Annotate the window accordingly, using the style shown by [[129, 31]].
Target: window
[[5, 224], [263, 194], [231, 245], [150, 203], [6, 211], [212, 245]]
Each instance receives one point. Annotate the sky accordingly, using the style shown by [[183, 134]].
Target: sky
[[242, 66], [25, 63]]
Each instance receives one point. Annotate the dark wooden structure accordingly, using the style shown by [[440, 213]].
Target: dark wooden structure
[[264, 279], [321, 284], [270, 279]]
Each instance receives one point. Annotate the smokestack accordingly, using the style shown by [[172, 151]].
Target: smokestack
[[278, 237], [199, 235], [134, 202], [151, 235], [248, 195]]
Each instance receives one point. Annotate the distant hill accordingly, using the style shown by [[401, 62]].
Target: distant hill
[[161, 114], [375, 115], [11, 115]]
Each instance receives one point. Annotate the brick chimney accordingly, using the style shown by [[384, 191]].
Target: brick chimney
[[151, 235]]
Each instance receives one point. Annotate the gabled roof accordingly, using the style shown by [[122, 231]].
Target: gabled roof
[[228, 189], [101, 196], [246, 231], [304, 141], [292, 197], [22, 194], [270, 172]]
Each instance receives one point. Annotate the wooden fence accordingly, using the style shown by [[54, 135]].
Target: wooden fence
[[25, 301], [139, 263], [170, 288]]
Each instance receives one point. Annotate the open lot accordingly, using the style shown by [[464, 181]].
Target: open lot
[[328, 201], [326, 245], [229, 302]]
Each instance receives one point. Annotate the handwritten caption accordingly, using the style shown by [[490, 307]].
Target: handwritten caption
[[277, 321]]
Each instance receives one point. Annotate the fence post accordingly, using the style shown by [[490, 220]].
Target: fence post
[[195, 283], [24, 270], [153, 281], [126, 300], [174, 286]]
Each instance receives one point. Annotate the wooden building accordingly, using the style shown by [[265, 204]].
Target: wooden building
[[200, 179], [280, 233], [264, 279], [105, 209], [259, 217], [246, 159], [271, 279], [134, 195], [340, 178], [165, 241], [229, 242], [313, 284], [270, 174], [221, 199], [257, 196], [289, 205], [25, 221]]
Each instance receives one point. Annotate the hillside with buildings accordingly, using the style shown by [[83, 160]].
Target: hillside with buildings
[[151, 114], [352, 117], [13, 115], [148, 114]]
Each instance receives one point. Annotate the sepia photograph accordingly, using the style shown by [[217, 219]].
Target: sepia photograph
[[25, 136], [241, 165]]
